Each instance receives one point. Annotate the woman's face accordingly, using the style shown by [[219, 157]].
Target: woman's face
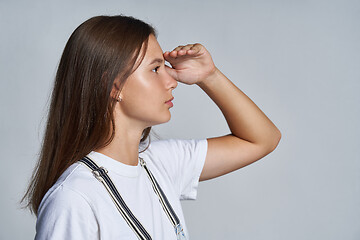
[[148, 88]]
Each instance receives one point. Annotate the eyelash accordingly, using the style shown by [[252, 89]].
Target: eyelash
[[156, 68]]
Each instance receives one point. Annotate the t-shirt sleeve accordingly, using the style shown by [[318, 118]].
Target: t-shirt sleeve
[[66, 214], [183, 161]]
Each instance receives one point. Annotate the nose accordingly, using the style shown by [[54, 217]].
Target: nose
[[171, 82]]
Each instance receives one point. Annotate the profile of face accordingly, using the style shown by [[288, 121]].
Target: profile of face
[[148, 88]]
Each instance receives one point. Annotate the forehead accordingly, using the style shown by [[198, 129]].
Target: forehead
[[153, 51]]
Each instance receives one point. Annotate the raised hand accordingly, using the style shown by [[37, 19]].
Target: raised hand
[[191, 63]]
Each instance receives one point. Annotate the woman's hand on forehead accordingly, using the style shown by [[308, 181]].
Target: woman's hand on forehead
[[190, 64]]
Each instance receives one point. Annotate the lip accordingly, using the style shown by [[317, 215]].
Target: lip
[[169, 102]]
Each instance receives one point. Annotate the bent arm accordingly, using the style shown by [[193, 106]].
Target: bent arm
[[252, 137]]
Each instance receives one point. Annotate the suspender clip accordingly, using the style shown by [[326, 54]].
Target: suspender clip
[[99, 172], [142, 162], [180, 235]]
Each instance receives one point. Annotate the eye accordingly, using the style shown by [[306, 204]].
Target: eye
[[156, 69]]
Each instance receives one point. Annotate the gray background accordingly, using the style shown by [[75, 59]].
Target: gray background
[[297, 60]]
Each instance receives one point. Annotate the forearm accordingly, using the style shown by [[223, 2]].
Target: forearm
[[244, 118]]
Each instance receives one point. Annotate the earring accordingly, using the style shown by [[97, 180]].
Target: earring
[[119, 99]]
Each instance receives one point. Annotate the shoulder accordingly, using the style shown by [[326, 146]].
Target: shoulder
[[173, 150], [66, 208], [172, 145], [173, 157], [72, 186]]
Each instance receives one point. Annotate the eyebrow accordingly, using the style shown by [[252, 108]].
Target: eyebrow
[[156, 60]]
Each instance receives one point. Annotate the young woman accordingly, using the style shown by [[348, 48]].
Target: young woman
[[112, 85]]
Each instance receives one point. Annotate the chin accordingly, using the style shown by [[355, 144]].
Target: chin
[[169, 117], [165, 119]]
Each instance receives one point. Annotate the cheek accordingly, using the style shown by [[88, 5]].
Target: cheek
[[143, 94], [148, 88]]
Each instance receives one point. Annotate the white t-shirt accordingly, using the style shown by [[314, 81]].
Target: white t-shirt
[[79, 207]]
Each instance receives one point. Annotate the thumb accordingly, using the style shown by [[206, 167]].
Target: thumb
[[172, 72]]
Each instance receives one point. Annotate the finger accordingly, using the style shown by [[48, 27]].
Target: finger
[[181, 47], [173, 54], [184, 50], [172, 72], [187, 47], [178, 48], [169, 56], [195, 48], [188, 50], [166, 55]]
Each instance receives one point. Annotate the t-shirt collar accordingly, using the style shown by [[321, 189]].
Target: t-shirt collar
[[115, 166]]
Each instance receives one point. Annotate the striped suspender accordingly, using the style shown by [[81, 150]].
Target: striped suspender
[[101, 174]]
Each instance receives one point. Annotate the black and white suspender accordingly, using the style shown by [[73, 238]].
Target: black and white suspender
[[101, 174]]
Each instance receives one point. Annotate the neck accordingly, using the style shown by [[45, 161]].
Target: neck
[[123, 148], [125, 145]]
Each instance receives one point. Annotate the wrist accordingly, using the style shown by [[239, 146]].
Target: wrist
[[210, 78]]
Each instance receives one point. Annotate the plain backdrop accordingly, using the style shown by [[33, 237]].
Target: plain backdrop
[[299, 61]]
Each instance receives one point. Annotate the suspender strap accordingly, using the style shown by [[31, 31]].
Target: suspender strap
[[101, 174], [162, 198], [179, 231]]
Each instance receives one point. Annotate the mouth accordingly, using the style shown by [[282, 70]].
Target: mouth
[[170, 100]]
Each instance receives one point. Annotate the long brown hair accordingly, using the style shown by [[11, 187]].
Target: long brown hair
[[80, 118]]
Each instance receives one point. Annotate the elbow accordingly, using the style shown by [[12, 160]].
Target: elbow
[[271, 142], [275, 140]]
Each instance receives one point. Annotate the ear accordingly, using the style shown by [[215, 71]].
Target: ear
[[116, 90]]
